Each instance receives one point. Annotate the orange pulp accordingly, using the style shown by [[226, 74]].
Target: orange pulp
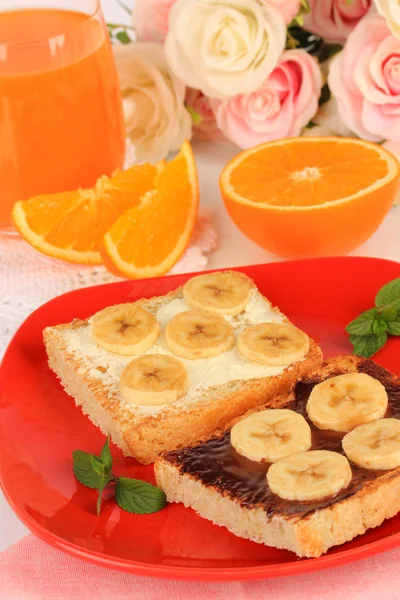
[[61, 123]]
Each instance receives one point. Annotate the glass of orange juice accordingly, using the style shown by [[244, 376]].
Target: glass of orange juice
[[61, 122]]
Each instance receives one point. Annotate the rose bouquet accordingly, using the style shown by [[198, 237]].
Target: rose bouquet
[[254, 71]]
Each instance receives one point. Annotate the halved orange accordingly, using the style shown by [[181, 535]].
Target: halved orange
[[150, 238], [310, 196], [71, 225]]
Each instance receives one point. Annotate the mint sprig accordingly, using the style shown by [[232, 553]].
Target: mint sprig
[[369, 332], [133, 495]]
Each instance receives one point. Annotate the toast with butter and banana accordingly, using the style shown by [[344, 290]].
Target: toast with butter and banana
[[305, 472], [158, 374]]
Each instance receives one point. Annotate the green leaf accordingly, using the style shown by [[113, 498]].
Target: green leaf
[[363, 324], [379, 326], [368, 345], [100, 498], [329, 50], [389, 294], [325, 95], [123, 37], [291, 41], [98, 467], [297, 21], [89, 470], [299, 37], [139, 497], [394, 327], [389, 313], [105, 455], [195, 116]]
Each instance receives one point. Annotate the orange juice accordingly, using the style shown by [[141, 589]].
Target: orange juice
[[61, 123]]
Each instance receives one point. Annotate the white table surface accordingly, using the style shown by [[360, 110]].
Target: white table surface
[[234, 248]]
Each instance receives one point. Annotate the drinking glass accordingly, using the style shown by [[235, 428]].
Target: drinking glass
[[61, 121]]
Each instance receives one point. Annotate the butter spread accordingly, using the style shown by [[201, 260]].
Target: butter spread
[[203, 373]]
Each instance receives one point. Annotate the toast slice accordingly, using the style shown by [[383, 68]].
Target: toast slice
[[220, 388], [222, 487]]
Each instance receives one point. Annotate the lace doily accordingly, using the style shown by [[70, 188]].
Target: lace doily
[[29, 278]]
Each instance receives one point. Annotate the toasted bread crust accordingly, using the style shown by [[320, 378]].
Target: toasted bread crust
[[308, 535], [146, 437]]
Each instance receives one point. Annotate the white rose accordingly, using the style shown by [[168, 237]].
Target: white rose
[[224, 47], [390, 9], [328, 122], [156, 119], [328, 116]]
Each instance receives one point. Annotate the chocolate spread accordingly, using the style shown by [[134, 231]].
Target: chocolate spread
[[217, 464]]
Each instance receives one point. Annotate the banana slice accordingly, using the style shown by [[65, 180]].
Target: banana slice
[[273, 344], [227, 292], [374, 445], [199, 334], [342, 403], [125, 329], [309, 475], [154, 379], [270, 435]]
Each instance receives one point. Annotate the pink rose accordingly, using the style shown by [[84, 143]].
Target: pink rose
[[207, 129], [288, 8], [365, 78], [333, 20], [283, 105], [150, 19]]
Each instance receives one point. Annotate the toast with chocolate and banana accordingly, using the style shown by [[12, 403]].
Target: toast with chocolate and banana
[[306, 471], [160, 373]]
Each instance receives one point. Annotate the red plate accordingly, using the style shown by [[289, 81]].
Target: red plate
[[40, 427]]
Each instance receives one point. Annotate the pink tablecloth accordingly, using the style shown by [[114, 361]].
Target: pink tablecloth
[[32, 570]]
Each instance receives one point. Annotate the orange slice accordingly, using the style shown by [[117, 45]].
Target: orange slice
[[71, 225], [310, 196], [150, 238]]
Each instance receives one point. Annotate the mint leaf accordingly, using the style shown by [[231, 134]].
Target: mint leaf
[[368, 345], [100, 498], [389, 313], [394, 327], [105, 455], [379, 326], [98, 467], [363, 324], [389, 294], [139, 497], [89, 470]]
